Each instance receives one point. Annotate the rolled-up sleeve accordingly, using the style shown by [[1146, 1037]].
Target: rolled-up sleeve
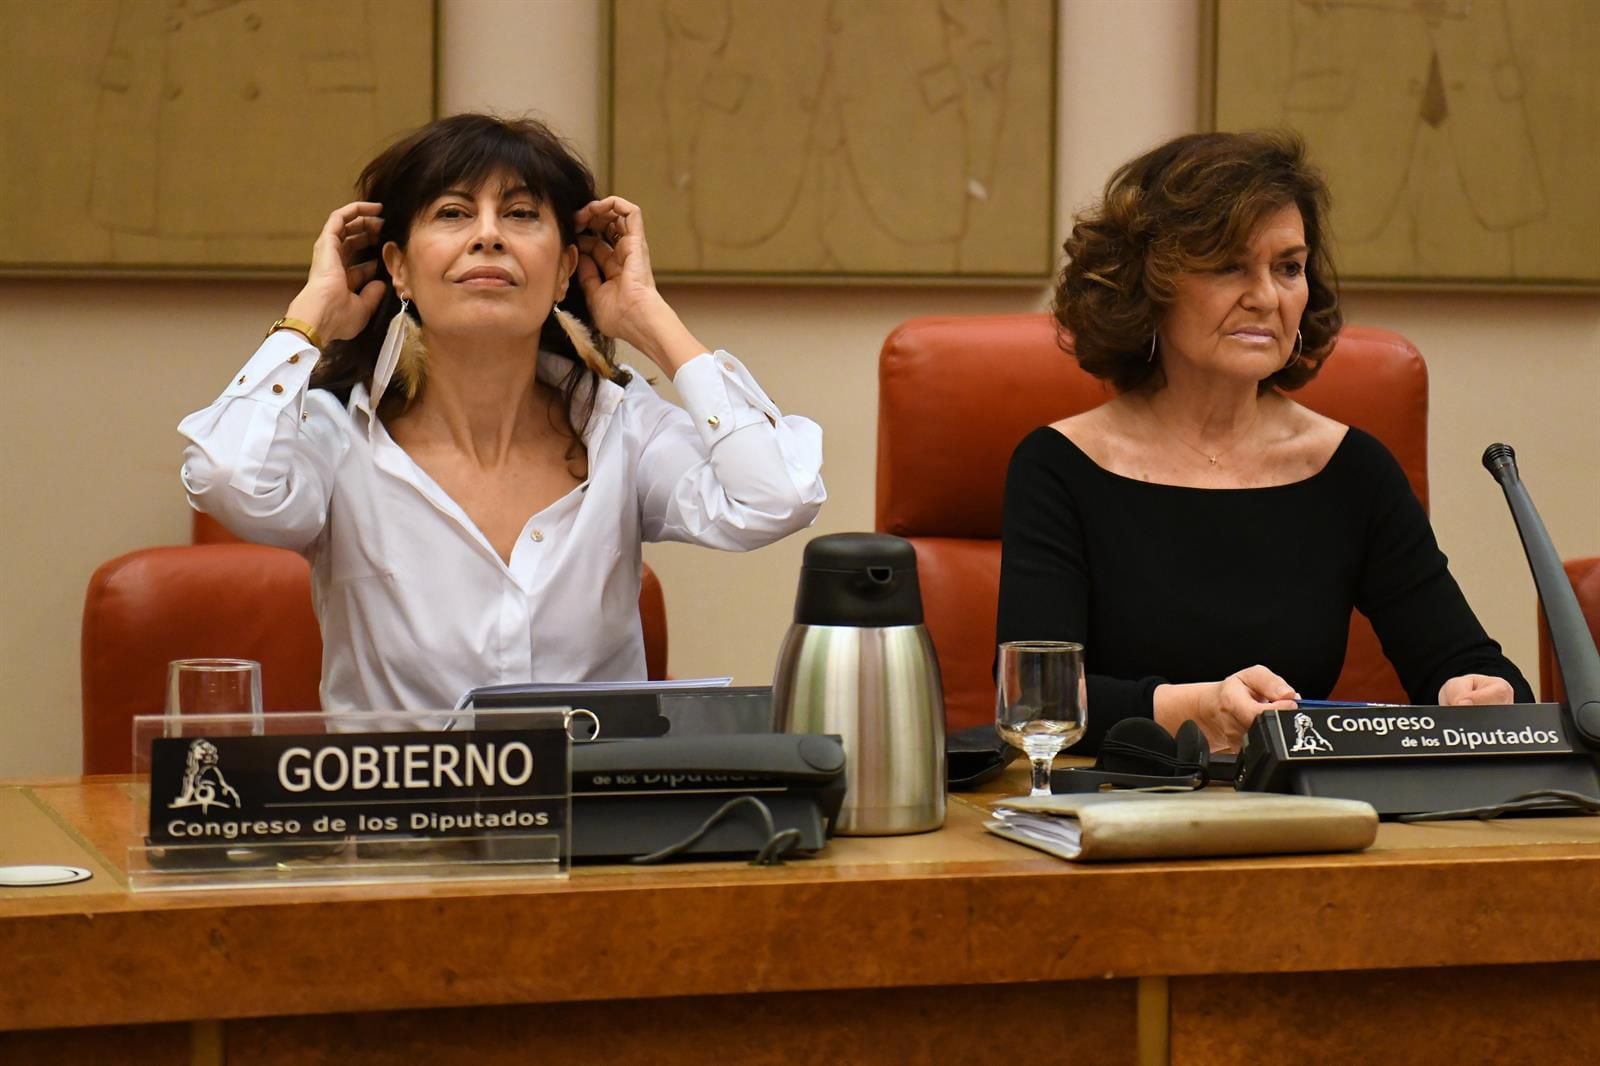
[[261, 458], [728, 469]]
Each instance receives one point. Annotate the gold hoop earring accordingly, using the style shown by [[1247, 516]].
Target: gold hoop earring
[[1299, 346], [1151, 358]]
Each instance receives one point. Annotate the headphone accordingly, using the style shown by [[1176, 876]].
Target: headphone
[[1138, 753]]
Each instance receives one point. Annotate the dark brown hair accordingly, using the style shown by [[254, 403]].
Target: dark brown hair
[[464, 151], [1190, 205]]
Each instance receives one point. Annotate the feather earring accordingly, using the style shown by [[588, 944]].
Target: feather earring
[[402, 357], [413, 366], [583, 341], [389, 354]]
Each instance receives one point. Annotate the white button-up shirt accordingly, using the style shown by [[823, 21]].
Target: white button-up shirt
[[415, 605]]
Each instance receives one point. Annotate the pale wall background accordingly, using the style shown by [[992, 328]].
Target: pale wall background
[[97, 373]]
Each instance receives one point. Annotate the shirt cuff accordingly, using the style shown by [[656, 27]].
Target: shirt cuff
[[721, 396], [278, 374]]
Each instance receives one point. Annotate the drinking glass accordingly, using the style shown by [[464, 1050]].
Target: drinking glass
[[1040, 703], [215, 686]]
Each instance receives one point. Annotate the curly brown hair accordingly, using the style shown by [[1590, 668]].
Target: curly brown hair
[[1190, 205]]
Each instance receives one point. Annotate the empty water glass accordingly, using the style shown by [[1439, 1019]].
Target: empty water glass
[[215, 686], [1040, 702]]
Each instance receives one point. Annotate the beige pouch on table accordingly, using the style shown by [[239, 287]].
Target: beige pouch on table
[[1210, 822]]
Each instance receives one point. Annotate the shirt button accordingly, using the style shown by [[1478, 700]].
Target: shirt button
[[536, 536], [277, 388], [304, 417], [727, 366], [713, 421], [250, 90], [172, 92], [295, 358]]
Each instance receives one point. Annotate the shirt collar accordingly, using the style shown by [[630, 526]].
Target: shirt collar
[[551, 370]]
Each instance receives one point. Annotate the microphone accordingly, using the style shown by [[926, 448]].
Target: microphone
[[1575, 651]]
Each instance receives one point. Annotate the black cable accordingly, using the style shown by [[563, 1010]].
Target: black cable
[[1544, 799], [1174, 766], [779, 845], [772, 853]]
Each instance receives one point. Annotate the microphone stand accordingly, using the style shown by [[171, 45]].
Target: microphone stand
[[1575, 650]]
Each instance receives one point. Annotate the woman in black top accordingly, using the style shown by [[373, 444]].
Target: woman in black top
[[1202, 534]]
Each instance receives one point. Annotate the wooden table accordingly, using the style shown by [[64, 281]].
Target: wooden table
[[1447, 943]]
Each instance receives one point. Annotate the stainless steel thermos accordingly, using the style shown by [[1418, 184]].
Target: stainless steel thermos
[[859, 663]]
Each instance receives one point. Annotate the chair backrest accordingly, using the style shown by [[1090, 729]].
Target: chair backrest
[[221, 597], [148, 607], [956, 395], [1585, 577]]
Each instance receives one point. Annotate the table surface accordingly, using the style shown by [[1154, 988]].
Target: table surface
[[954, 907]]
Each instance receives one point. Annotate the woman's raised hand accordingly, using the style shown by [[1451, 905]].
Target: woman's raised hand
[[342, 291], [614, 270]]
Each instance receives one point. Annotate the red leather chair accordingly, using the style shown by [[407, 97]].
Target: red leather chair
[[1585, 577], [148, 607], [221, 597], [956, 395]]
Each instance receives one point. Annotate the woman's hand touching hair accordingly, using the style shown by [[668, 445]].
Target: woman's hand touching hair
[[614, 270], [342, 291]]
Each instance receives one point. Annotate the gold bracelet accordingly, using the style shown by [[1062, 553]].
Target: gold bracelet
[[305, 329]]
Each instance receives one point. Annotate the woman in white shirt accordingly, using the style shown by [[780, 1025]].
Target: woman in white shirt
[[470, 473]]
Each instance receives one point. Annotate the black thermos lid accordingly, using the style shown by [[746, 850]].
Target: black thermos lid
[[858, 579]]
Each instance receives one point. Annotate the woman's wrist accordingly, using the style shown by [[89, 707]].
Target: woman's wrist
[[660, 334], [1172, 705], [312, 314]]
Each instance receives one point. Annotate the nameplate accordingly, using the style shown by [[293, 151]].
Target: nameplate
[[224, 790], [1321, 734]]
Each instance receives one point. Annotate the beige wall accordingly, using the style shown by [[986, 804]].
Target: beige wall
[[98, 372]]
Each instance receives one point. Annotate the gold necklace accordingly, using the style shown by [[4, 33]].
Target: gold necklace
[[1214, 458]]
